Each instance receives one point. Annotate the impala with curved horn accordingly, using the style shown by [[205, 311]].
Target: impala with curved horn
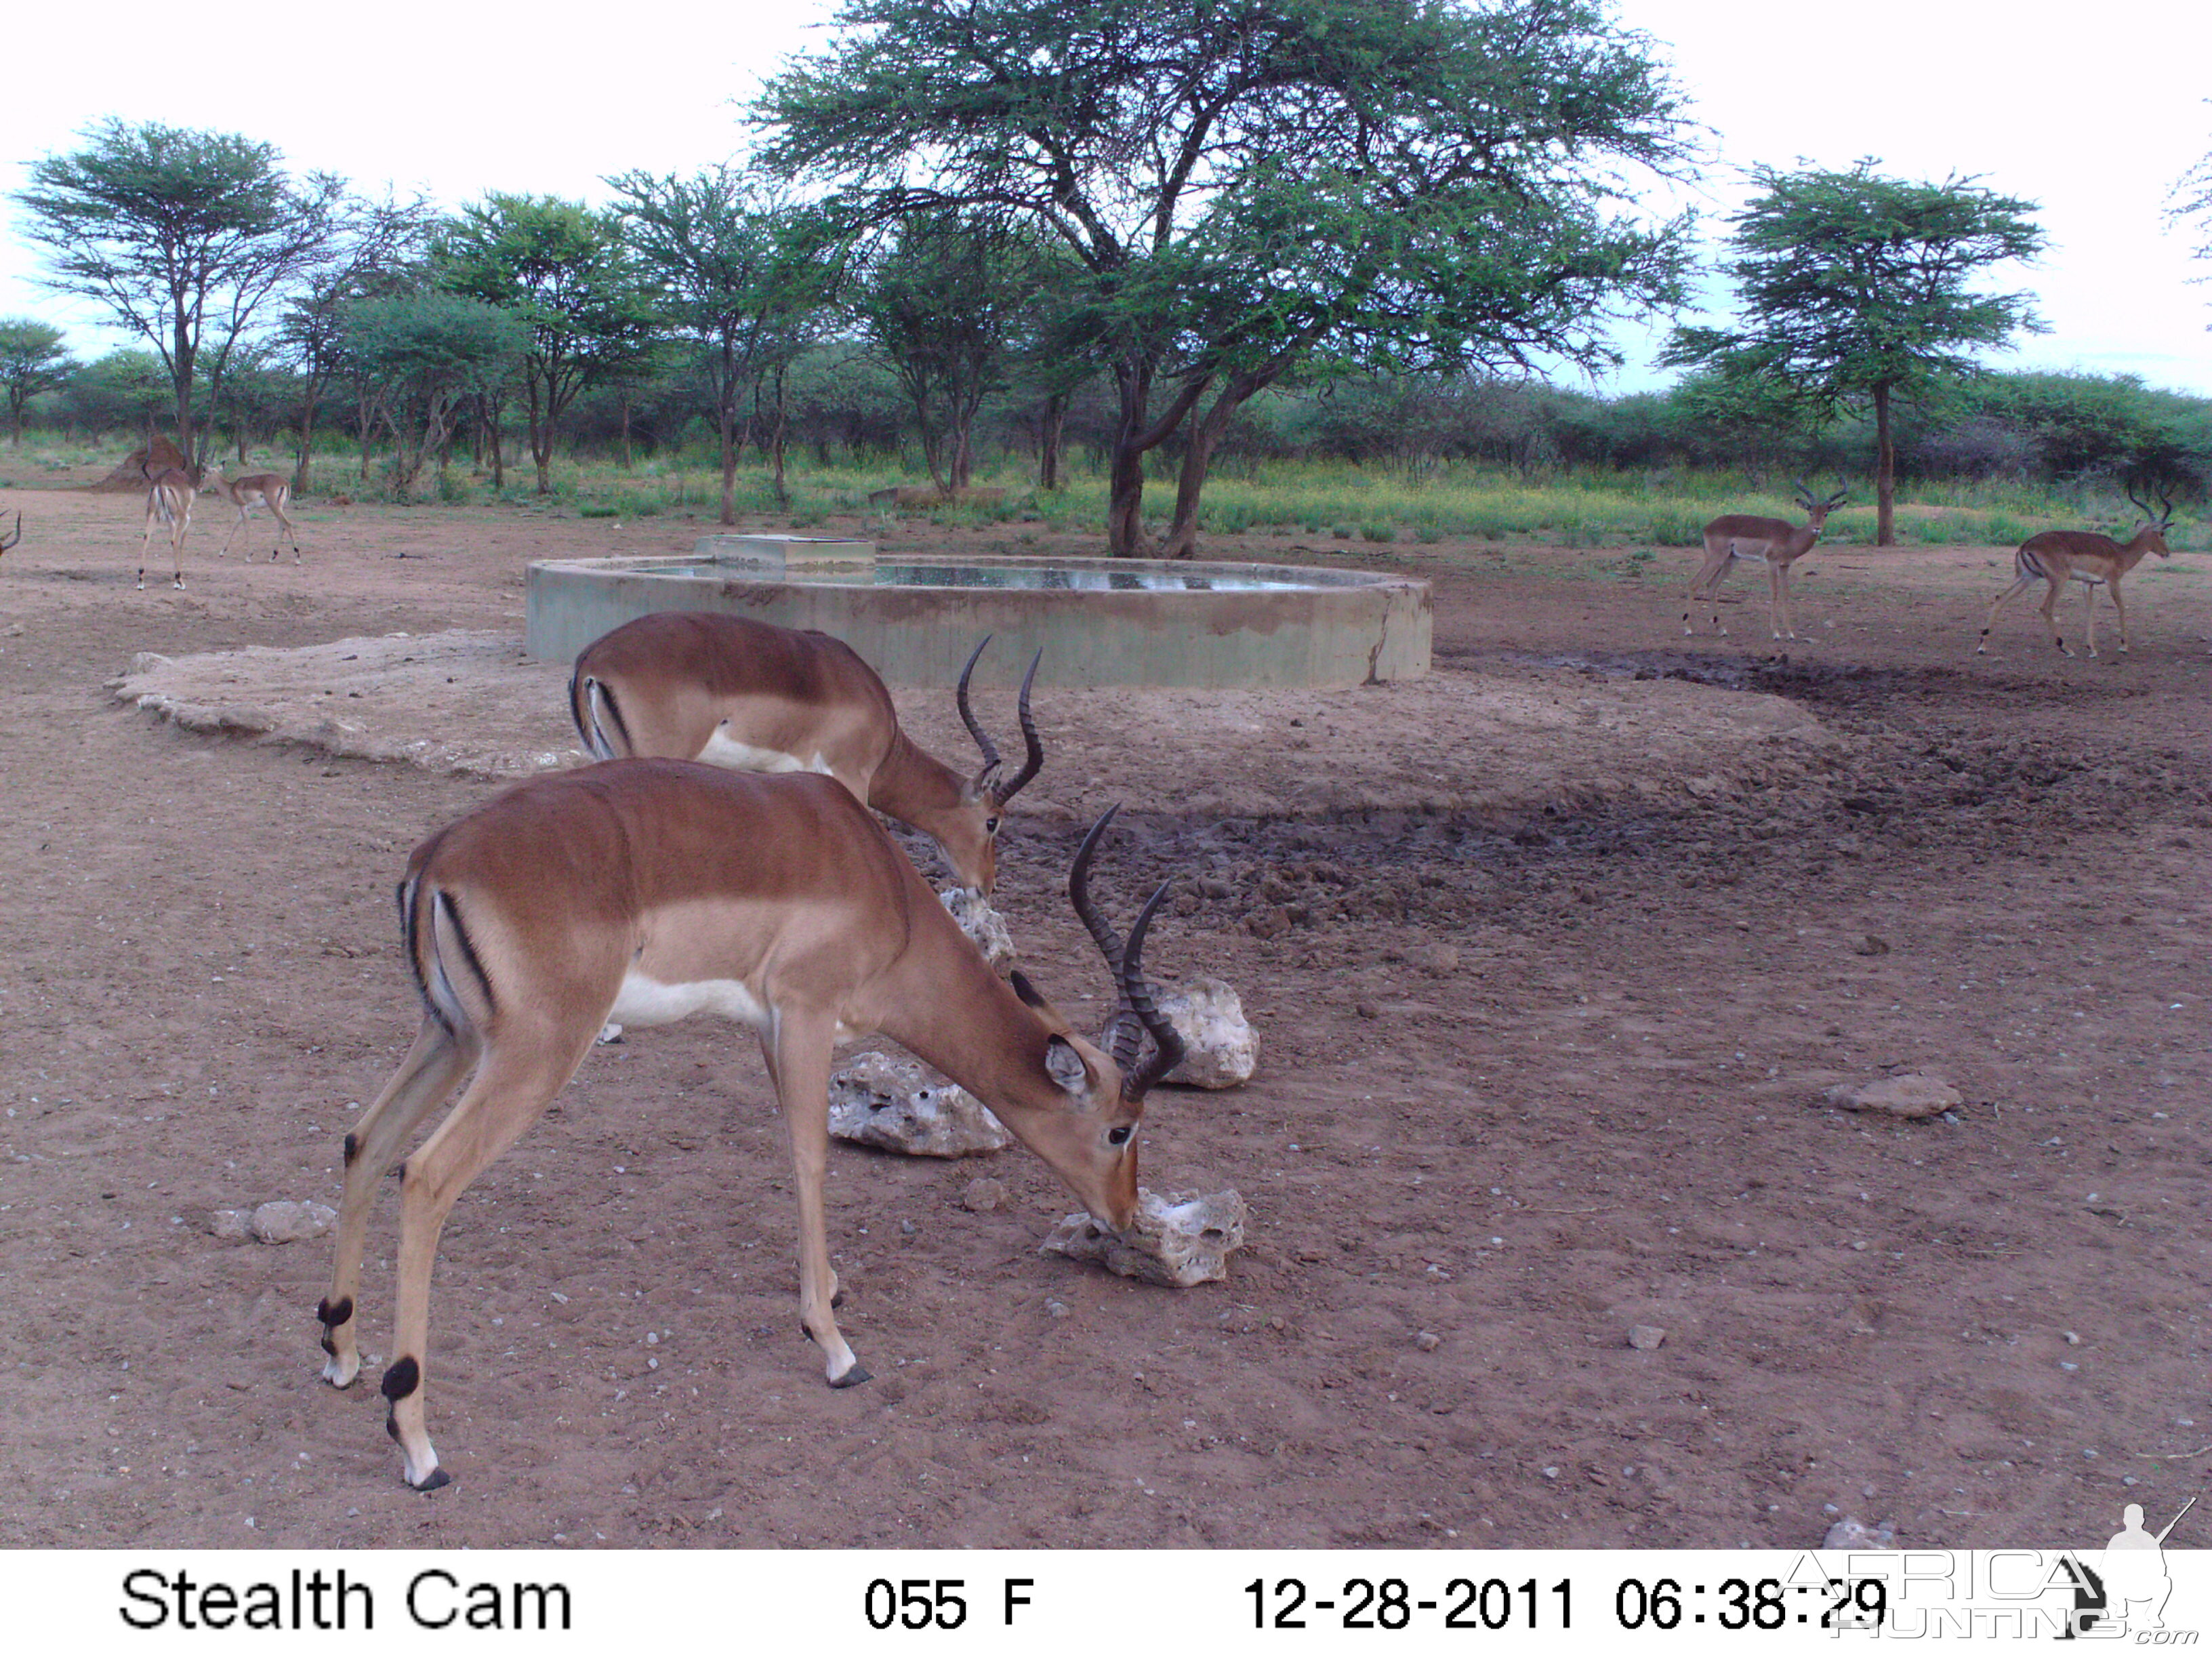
[[647, 889], [755, 697], [1775, 543], [9, 541], [2057, 557]]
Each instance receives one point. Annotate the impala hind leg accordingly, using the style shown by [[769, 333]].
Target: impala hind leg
[[433, 1066], [799, 1060], [2050, 610], [1707, 585], [2021, 583], [291, 535], [521, 1072]]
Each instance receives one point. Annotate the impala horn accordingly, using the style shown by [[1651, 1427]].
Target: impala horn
[[1140, 1012], [985, 780], [7, 542]]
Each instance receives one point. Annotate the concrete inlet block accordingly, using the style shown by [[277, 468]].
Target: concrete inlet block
[[772, 557]]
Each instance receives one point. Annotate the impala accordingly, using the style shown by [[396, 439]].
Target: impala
[[9, 541], [749, 695], [269, 489], [650, 889], [169, 495], [1774, 543], [2057, 557]]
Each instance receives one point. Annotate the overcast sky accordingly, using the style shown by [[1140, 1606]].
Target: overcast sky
[[2092, 111]]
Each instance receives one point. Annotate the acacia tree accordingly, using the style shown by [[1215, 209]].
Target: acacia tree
[[745, 275], [424, 356], [946, 304], [2191, 199], [1856, 290], [182, 236], [1247, 184], [33, 359], [563, 270], [374, 251]]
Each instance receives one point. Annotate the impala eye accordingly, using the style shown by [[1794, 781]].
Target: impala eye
[[990, 826], [1119, 1137]]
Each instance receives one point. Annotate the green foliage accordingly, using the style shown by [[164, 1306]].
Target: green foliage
[[423, 355], [1856, 288], [563, 270], [1851, 283], [1353, 181], [32, 360], [181, 236]]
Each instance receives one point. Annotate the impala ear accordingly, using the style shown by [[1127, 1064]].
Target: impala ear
[[1066, 1067]]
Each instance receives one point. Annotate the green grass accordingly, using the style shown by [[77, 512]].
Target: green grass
[[1379, 506]]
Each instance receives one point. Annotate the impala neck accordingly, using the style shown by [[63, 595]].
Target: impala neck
[[916, 788], [957, 1014]]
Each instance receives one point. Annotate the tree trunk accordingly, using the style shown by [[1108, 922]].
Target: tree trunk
[[1884, 472], [727, 418], [776, 444], [628, 464], [1205, 433], [1050, 432], [541, 444], [1133, 441]]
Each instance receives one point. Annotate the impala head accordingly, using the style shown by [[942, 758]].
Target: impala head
[[11, 539], [1817, 510], [969, 832], [2152, 531], [1092, 1143]]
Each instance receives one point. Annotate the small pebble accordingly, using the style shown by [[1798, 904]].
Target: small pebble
[[1428, 1341], [1646, 1337]]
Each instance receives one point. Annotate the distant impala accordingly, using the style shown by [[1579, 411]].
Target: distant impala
[[2057, 556], [1774, 543], [269, 489]]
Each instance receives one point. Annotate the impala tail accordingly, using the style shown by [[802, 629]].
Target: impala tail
[[599, 719]]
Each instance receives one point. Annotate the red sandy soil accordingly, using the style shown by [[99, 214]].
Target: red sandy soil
[[1547, 1007]]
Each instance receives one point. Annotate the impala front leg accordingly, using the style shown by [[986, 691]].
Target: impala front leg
[[2122, 610], [1778, 595], [799, 1063]]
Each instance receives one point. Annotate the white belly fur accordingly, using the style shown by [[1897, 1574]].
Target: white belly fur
[[724, 751], [646, 1001]]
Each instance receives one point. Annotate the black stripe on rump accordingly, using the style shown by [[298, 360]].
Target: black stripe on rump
[[468, 949], [410, 894], [614, 710]]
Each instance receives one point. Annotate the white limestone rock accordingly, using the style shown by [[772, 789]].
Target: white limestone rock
[[1179, 1240], [287, 1221], [1910, 1095], [1221, 1049], [982, 924], [896, 1106]]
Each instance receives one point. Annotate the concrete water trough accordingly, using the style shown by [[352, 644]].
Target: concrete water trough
[[1098, 622]]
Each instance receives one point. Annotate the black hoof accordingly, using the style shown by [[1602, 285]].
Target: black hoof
[[853, 1379], [432, 1481]]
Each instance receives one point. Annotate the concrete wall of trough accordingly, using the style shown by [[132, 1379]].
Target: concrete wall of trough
[[1349, 630]]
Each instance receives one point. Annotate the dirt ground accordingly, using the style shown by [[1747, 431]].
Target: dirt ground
[[1553, 958]]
